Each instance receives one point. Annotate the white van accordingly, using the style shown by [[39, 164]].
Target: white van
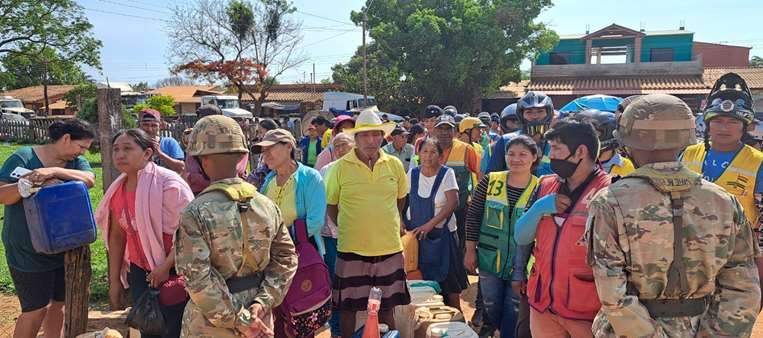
[[228, 104], [345, 101]]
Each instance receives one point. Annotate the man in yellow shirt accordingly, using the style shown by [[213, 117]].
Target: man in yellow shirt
[[365, 195]]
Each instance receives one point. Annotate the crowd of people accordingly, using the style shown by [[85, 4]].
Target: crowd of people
[[590, 223]]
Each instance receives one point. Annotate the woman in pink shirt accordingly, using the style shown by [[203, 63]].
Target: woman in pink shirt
[[140, 213]]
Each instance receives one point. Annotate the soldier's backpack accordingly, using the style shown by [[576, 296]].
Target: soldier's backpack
[[307, 306]]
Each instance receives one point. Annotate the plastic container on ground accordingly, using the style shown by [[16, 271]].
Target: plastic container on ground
[[427, 316], [60, 218], [451, 330]]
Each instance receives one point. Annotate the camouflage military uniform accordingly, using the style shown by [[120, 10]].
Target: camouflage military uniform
[[631, 237], [217, 241]]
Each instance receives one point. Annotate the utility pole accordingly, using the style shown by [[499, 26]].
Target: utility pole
[[314, 77], [365, 61]]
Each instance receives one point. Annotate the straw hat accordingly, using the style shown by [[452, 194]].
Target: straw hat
[[369, 121]]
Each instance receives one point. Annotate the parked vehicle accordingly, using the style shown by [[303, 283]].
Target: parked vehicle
[[14, 106], [345, 101], [228, 104]]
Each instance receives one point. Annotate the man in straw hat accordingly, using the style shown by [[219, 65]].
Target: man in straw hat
[[366, 190]]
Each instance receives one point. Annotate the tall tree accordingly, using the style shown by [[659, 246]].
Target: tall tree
[[384, 79], [236, 42], [25, 69], [756, 62], [33, 27], [453, 52], [174, 81]]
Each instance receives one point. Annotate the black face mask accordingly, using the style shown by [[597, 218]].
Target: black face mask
[[564, 168]]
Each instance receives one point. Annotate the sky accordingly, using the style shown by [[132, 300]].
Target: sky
[[135, 42]]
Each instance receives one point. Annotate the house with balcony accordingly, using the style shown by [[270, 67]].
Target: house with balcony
[[620, 61]]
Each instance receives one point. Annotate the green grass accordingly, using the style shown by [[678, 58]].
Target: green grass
[[99, 286]]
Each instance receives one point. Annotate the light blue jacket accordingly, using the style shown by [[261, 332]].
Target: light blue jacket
[[310, 200]]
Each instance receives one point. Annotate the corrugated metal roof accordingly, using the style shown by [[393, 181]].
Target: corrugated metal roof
[[186, 94], [753, 76], [295, 93], [621, 86], [34, 94], [677, 84]]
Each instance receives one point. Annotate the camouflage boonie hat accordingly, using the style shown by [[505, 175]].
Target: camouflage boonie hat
[[216, 134], [656, 122]]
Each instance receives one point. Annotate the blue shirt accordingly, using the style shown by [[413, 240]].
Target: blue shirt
[[716, 163], [497, 161], [172, 148]]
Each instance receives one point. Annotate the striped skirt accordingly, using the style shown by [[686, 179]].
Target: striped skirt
[[356, 275]]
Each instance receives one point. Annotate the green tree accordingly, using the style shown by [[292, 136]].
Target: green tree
[[384, 79], [453, 52], [84, 97], [165, 104], [756, 62], [25, 69], [33, 27]]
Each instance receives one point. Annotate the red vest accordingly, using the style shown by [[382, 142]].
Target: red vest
[[561, 280]]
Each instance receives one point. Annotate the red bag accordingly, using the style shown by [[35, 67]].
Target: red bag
[[172, 292]]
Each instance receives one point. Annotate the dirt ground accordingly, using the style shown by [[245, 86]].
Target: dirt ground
[[9, 310]]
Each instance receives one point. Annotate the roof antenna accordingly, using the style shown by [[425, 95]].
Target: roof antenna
[[683, 25], [641, 26], [587, 29]]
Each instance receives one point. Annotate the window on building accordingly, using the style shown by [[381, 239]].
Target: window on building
[[557, 58], [661, 54]]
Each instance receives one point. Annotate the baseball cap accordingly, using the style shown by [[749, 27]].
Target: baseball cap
[[445, 119], [149, 115], [417, 129], [399, 130], [273, 137]]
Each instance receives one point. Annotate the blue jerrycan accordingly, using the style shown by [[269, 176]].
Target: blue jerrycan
[[60, 218]]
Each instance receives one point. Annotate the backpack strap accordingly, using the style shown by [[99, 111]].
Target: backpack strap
[[242, 194], [676, 184]]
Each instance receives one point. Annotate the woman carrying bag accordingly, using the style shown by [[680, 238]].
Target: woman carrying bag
[[497, 203], [299, 192], [139, 214], [432, 199]]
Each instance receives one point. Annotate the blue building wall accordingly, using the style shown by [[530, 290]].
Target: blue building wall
[[680, 43]]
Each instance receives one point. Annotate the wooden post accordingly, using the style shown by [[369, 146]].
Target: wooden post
[[109, 122], [77, 276]]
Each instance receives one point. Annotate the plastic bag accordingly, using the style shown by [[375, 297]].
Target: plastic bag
[[146, 314]]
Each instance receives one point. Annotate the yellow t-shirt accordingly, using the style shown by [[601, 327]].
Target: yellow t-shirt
[[368, 221], [285, 197], [326, 139]]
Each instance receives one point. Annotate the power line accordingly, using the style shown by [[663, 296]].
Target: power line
[[325, 18], [328, 38], [153, 10], [125, 15]]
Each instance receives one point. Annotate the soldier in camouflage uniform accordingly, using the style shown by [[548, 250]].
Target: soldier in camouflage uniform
[[236, 255], [672, 254]]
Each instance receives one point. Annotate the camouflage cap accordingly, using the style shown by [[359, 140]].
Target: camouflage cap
[[656, 122], [216, 134]]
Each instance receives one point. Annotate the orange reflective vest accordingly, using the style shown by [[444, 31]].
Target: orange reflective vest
[[561, 280]]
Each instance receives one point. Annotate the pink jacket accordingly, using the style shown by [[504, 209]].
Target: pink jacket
[[325, 157], [159, 198]]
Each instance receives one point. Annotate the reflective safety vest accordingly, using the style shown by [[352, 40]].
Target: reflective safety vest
[[496, 243], [457, 161], [561, 281], [738, 179], [623, 170]]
